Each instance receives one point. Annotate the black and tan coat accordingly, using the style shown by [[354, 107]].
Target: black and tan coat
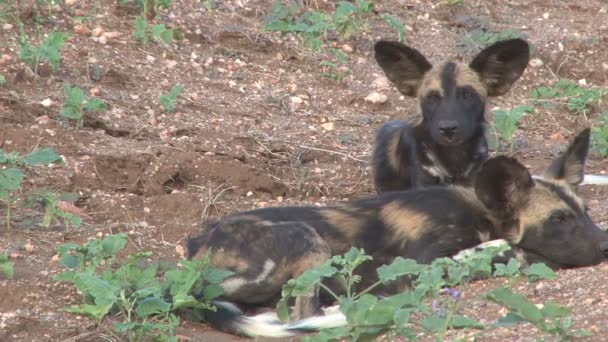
[[447, 143], [543, 219]]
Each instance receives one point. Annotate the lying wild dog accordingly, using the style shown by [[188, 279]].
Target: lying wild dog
[[543, 219], [448, 143]]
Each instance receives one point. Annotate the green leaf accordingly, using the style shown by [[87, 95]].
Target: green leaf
[[539, 271], [141, 25], [212, 291], [516, 303], [398, 268], [152, 306], [402, 316], [214, 275], [97, 312], [42, 156], [552, 310], [10, 179], [125, 326], [511, 269], [2, 80], [168, 100], [356, 310], [112, 244], [508, 320], [94, 105], [7, 266], [459, 322], [433, 323]]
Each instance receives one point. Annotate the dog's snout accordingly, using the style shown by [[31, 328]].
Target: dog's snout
[[448, 128]]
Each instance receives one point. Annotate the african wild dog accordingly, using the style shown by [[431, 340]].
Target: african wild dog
[[543, 219], [448, 143]]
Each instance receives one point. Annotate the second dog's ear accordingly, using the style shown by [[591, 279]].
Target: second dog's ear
[[503, 185], [403, 65], [501, 64]]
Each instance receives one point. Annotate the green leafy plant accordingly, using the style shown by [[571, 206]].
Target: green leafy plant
[[408, 314], [50, 202], [395, 24], [311, 27], [11, 174], [565, 92], [335, 68], [7, 267], [351, 18], [49, 50], [77, 103], [475, 40], [145, 296], [2, 80], [169, 99], [158, 32], [506, 122], [549, 317], [599, 137], [148, 7]]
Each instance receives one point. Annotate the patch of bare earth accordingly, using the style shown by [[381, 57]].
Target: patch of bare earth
[[257, 125]]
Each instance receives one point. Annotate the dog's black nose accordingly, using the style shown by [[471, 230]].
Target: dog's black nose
[[448, 128]]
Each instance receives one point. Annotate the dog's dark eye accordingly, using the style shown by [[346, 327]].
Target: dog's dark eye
[[433, 97], [558, 217]]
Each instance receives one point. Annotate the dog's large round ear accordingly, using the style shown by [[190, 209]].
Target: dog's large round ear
[[570, 166], [403, 65], [501, 64], [503, 185]]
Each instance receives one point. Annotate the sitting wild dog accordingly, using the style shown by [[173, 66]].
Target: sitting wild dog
[[448, 143], [542, 219]]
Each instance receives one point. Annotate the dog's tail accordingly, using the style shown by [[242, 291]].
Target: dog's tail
[[229, 318]]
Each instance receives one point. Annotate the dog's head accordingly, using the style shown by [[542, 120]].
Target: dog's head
[[453, 95]]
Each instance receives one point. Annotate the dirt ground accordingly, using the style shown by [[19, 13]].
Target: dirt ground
[[257, 125]]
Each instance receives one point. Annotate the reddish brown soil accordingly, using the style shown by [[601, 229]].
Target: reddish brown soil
[[248, 131]]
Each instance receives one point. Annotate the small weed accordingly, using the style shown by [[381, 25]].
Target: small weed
[[549, 317], [11, 174], [577, 99], [7, 267], [49, 50], [2, 80], [144, 295], [507, 121], [476, 40], [599, 137], [396, 24], [148, 7], [336, 68], [158, 32], [77, 103], [311, 27], [168, 100], [50, 202]]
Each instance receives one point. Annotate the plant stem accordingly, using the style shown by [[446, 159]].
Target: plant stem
[[371, 287], [332, 293]]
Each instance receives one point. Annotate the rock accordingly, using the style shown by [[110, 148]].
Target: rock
[[98, 31], [376, 98], [7, 27], [46, 103], [381, 82], [328, 126], [347, 48], [536, 62]]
